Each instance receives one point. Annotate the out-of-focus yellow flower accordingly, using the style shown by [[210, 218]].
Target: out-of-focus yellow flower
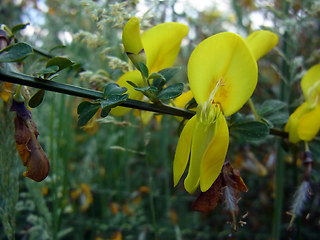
[[157, 48], [222, 72], [116, 236], [127, 210], [114, 207], [83, 193], [6, 90], [304, 122]]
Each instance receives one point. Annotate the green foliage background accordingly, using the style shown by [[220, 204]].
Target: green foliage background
[[122, 158]]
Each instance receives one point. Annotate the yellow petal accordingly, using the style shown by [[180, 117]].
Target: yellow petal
[[162, 44], [214, 157], [292, 124], [309, 125], [135, 77], [261, 42], [146, 117], [183, 99], [131, 37], [181, 156], [201, 137], [223, 57], [310, 83]]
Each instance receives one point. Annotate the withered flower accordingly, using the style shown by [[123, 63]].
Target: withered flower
[[227, 187], [29, 149]]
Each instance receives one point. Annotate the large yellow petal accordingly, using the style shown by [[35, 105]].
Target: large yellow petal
[[181, 156], [223, 57], [131, 36], [261, 42], [135, 77], [310, 83], [201, 137], [292, 124], [162, 44], [309, 125], [214, 157]]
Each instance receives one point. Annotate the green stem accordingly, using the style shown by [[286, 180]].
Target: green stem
[[88, 93], [92, 94], [40, 52], [253, 110], [280, 167]]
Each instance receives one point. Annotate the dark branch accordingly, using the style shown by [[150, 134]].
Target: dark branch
[[88, 93]]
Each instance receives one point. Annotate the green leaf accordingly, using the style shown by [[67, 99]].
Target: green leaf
[[168, 73], [15, 52], [113, 89], [18, 27], [56, 47], [48, 70], [113, 101], [133, 84], [155, 75], [158, 82], [279, 118], [36, 99], [86, 111], [143, 69], [61, 62], [105, 112], [274, 111], [270, 106], [250, 131], [191, 104], [171, 92]]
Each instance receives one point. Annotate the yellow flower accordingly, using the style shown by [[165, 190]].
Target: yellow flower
[[222, 72], [85, 196], [304, 122], [157, 48], [6, 90]]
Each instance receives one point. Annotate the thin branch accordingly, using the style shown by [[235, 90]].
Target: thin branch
[[88, 93], [72, 90]]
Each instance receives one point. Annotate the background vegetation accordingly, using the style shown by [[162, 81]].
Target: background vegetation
[[113, 179]]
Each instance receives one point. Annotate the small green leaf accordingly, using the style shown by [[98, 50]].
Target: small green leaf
[[158, 82], [168, 73], [191, 104], [15, 52], [155, 75], [171, 92], [113, 101], [148, 90], [36, 99], [270, 106], [56, 47], [113, 89], [48, 70], [250, 131], [105, 112], [274, 111], [61, 62], [279, 118], [86, 111], [18, 27], [143, 69], [132, 84]]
